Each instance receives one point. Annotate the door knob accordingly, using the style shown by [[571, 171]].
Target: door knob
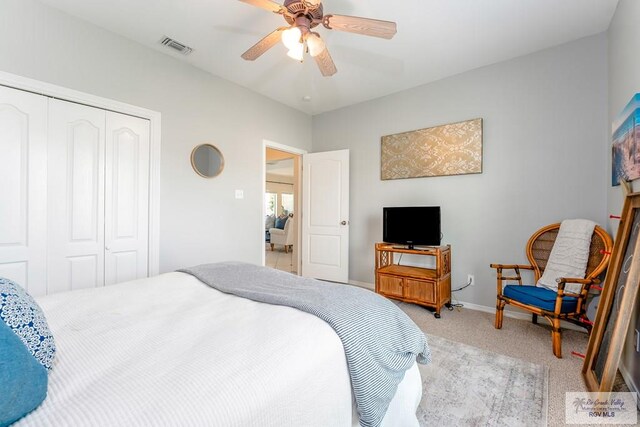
[[108, 248], [344, 223]]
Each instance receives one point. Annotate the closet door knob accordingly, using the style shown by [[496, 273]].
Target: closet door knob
[[108, 248], [344, 223]]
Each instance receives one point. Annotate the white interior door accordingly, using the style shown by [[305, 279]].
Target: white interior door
[[325, 215], [76, 148], [23, 186], [126, 198]]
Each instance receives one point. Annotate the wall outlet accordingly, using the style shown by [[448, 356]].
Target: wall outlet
[[471, 280], [239, 194]]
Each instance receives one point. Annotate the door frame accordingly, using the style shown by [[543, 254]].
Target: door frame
[[293, 150], [54, 91]]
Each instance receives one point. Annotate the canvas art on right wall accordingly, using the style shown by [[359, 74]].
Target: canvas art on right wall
[[625, 149]]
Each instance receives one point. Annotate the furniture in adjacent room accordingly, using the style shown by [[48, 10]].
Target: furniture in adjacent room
[[284, 236], [269, 223], [541, 301], [75, 213], [429, 287]]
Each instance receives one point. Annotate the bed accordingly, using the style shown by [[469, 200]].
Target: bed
[[169, 350]]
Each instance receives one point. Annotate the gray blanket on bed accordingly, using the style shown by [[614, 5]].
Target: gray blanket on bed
[[380, 341]]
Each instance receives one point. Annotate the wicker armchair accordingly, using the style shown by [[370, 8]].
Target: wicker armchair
[[544, 302]]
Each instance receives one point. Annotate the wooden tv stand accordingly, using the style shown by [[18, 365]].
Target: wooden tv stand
[[430, 287]]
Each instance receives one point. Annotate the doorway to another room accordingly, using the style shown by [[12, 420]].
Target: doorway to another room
[[282, 201]]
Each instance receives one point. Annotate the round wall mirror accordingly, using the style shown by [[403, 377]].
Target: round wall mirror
[[207, 160]]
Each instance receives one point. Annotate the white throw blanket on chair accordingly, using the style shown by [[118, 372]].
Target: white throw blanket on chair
[[569, 255]]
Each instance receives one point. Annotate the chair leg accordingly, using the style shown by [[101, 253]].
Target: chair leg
[[499, 313], [556, 339], [534, 319], [271, 247], [286, 249]]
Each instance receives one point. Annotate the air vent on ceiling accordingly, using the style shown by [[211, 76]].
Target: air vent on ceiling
[[174, 44]]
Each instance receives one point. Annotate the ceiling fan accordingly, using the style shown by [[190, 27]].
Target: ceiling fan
[[304, 15]]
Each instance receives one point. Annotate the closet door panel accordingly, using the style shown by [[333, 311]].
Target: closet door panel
[[126, 198], [76, 196], [23, 194]]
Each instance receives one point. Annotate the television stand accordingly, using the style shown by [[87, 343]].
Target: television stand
[[413, 248], [429, 287]]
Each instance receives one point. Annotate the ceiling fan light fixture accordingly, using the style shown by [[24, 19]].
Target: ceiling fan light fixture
[[301, 17], [315, 44], [312, 3], [297, 52], [291, 38]]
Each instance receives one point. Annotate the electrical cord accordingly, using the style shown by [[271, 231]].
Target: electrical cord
[[400, 259], [464, 287], [457, 304]]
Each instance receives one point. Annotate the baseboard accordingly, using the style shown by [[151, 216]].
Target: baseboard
[[518, 315], [492, 310], [365, 285], [477, 307], [626, 375]]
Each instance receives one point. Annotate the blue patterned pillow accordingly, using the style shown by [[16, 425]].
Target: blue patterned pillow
[[27, 350], [23, 315], [281, 221]]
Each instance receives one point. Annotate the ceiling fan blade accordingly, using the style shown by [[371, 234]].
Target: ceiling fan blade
[[263, 45], [266, 4], [365, 26], [325, 63]]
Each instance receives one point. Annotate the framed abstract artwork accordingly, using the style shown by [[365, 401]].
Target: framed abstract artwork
[[452, 149], [625, 148]]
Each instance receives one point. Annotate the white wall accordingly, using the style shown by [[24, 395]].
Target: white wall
[[624, 81], [545, 138], [201, 221]]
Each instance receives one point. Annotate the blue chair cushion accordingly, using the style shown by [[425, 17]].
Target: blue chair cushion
[[27, 350], [539, 297]]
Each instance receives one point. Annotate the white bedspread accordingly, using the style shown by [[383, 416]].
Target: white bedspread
[[170, 351]]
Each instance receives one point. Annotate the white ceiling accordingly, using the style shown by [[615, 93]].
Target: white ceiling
[[436, 39], [281, 167]]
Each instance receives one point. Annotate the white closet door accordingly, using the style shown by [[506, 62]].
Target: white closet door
[[23, 189], [76, 196], [126, 198]]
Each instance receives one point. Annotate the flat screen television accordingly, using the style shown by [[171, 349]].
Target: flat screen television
[[412, 225]]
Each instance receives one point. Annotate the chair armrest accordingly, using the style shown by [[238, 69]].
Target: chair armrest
[[511, 266], [562, 281], [576, 280], [500, 278]]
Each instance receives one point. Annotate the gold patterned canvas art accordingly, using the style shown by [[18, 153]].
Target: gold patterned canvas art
[[453, 149]]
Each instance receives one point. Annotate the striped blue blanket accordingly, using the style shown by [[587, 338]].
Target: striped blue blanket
[[380, 341]]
